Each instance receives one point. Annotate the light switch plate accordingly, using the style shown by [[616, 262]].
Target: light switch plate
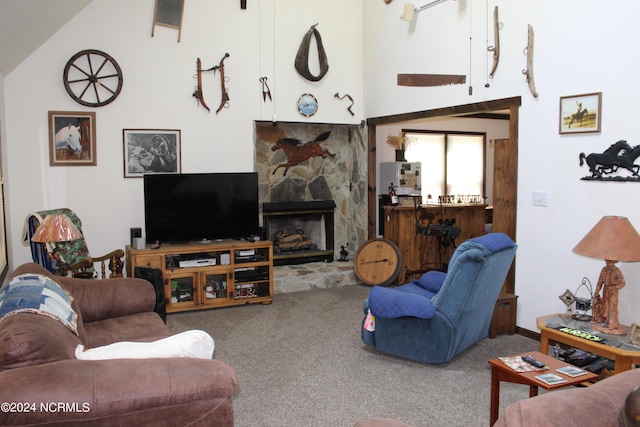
[[541, 198]]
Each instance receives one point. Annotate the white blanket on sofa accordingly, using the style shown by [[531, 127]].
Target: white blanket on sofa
[[195, 343]]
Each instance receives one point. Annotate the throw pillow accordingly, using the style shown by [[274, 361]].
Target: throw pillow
[[194, 343], [431, 281]]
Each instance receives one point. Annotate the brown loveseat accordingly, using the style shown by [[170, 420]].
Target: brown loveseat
[[601, 404], [41, 381]]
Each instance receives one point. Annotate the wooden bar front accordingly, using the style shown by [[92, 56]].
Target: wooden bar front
[[400, 228]]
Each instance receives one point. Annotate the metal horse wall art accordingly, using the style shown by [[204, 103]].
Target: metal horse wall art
[[618, 156], [297, 152]]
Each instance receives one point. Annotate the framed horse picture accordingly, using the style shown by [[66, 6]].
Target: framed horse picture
[[581, 113], [151, 151], [72, 138]]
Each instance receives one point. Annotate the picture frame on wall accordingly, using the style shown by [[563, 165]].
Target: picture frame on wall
[[72, 138], [151, 151], [581, 113]]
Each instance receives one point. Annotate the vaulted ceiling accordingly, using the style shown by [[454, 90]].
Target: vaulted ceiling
[[26, 24]]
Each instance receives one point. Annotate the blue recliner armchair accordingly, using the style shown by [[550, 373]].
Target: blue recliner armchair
[[435, 317]]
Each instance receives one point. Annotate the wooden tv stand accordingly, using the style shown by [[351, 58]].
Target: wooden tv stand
[[217, 274]]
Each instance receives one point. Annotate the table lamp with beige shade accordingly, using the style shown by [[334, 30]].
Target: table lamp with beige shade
[[612, 239]]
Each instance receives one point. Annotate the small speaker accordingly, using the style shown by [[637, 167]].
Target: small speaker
[[139, 243], [135, 232]]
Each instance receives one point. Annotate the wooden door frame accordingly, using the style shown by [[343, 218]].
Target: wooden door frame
[[510, 104]]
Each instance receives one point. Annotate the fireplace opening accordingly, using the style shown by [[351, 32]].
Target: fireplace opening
[[301, 232]]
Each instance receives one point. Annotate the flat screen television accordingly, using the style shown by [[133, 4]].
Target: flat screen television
[[185, 208]]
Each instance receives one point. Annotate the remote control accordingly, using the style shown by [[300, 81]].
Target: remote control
[[531, 361]]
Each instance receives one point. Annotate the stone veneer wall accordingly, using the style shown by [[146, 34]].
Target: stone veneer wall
[[341, 178]]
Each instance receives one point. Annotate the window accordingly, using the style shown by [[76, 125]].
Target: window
[[453, 164]]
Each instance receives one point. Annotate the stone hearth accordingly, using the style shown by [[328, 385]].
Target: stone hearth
[[314, 275]]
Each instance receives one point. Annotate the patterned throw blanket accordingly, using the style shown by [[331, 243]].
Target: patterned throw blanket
[[35, 293]]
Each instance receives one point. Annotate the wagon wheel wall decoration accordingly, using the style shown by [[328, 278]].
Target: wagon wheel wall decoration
[[92, 78]]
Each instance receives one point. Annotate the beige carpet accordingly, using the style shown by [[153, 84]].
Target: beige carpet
[[301, 362]]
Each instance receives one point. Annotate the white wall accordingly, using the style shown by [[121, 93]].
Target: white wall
[[579, 48], [157, 93]]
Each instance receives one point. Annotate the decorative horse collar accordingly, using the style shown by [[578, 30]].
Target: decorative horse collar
[[302, 57]]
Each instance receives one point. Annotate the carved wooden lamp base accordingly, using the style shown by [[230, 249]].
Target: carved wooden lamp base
[[620, 330]]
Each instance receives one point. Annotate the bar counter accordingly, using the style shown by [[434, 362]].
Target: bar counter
[[400, 228]]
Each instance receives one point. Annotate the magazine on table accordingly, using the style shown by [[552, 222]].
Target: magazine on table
[[551, 379], [571, 371], [517, 364]]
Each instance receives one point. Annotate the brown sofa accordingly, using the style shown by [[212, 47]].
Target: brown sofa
[[602, 405], [41, 381]]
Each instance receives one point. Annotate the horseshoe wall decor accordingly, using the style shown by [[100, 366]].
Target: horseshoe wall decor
[[302, 57]]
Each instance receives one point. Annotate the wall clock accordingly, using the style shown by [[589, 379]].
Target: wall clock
[[377, 262], [92, 78], [307, 104]]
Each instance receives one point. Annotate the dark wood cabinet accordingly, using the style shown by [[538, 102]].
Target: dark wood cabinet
[[504, 315]]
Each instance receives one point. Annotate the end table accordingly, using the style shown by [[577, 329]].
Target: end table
[[501, 372], [612, 348]]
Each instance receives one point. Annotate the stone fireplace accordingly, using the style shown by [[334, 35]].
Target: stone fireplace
[[301, 232], [339, 176], [336, 171]]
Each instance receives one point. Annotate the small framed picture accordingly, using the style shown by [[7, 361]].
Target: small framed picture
[[581, 113], [151, 151], [72, 138]]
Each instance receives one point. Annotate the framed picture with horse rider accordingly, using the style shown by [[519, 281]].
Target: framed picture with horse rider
[[72, 138], [151, 151], [581, 113]]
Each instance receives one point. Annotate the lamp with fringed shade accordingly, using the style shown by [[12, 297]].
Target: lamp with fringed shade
[[56, 228], [612, 239]]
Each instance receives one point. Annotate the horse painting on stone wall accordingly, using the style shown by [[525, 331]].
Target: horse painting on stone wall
[[297, 152]]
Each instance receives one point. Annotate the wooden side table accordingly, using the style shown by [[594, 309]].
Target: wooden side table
[[614, 348], [501, 372], [504, 315]]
